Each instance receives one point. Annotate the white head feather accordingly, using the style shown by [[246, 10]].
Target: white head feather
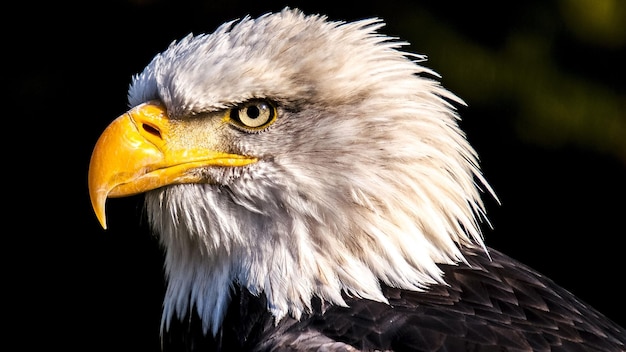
[[365, 176]]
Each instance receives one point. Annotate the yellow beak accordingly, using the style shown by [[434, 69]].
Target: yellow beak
[[139, 151]]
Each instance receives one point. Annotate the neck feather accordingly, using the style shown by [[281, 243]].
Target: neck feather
[[292, 247]]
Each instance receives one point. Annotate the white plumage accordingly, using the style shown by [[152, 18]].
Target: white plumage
[[361, 182]]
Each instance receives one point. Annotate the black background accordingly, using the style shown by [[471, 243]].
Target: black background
[[75, 286]]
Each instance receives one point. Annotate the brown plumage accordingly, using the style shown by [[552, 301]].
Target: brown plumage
[[313, 191]]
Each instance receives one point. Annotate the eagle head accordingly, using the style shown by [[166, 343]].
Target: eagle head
[[295, 157]]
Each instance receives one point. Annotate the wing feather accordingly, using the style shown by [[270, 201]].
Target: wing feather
[[489, 304]]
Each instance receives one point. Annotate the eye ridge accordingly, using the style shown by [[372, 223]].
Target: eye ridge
[[254, 115]]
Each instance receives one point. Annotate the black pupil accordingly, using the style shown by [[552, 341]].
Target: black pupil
[[253, 112]]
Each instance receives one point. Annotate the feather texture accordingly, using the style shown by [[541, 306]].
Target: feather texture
[[357, 226], [360, 180], [488, 304]]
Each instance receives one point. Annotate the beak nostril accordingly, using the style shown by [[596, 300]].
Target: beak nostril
[[152, 130]]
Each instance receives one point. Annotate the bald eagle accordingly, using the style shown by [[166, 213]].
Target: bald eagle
[[312, 190]]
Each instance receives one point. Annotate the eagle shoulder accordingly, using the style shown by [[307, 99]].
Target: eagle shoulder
[[489, 303]]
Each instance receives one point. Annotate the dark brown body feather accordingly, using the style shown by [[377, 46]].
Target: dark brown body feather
[[492, 304]]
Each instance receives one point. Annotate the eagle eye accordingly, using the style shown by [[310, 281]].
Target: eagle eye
[[254, 115]]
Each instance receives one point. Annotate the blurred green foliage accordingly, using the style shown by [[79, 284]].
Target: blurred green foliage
[[601, 22], [554, 68]]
